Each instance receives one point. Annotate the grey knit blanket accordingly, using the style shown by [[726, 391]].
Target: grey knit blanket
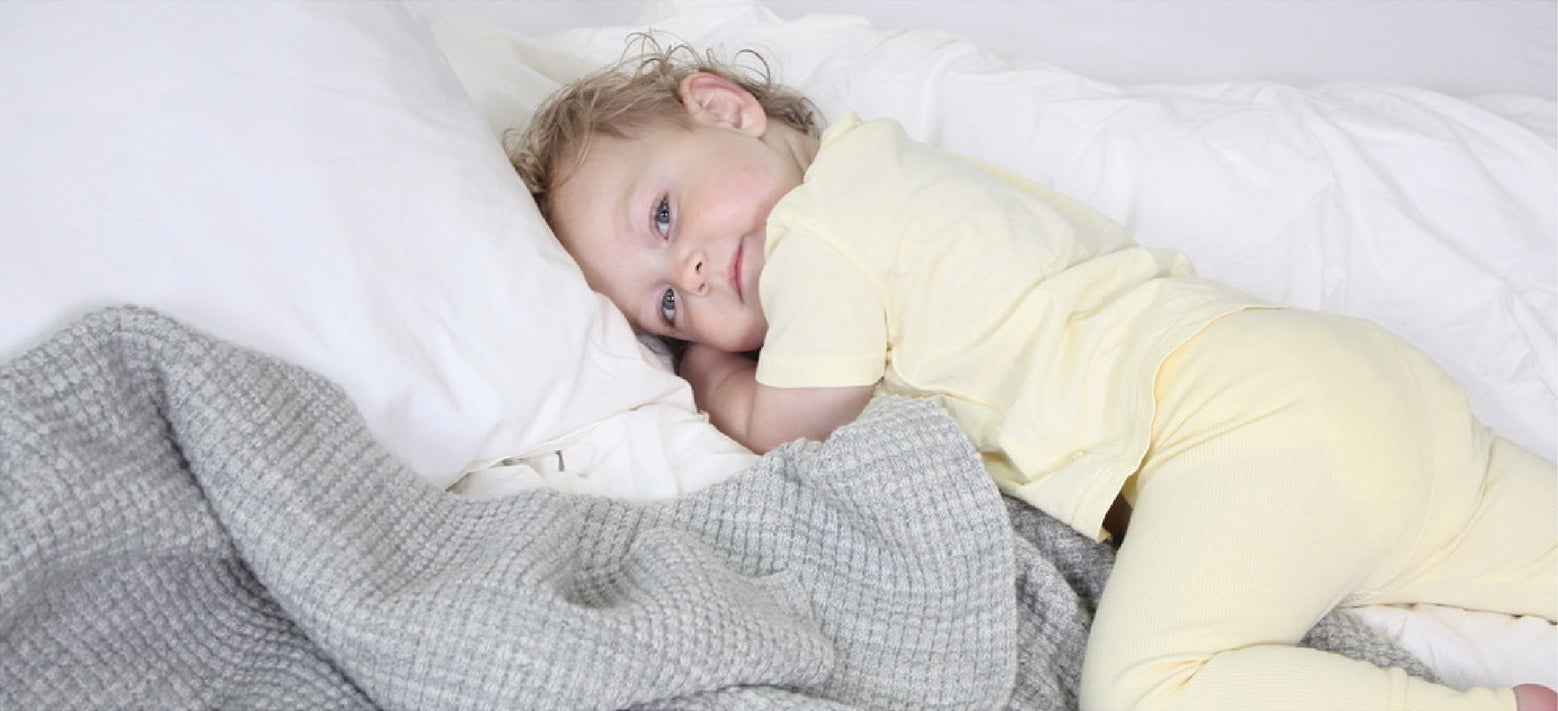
[[187, 524]]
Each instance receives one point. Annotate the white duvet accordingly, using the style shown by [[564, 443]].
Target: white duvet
[[1433, 215], [320, 180]]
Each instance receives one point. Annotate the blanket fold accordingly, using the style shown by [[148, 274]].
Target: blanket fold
[[190, 524]]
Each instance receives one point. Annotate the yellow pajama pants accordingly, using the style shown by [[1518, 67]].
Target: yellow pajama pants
[[1301, 461]]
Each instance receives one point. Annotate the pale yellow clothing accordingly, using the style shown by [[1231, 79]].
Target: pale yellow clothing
[[1033, 319], [1302, 461], [1285, 462]]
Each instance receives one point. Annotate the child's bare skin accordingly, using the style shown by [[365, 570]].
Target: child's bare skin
[[678, 247], [670, 223]]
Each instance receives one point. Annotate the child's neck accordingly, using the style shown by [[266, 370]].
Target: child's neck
[[801, 147]]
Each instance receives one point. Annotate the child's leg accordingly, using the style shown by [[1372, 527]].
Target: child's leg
[[1296, 459], [1476, 567]]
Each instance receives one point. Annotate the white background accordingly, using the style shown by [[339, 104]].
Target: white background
[[1460, 47]]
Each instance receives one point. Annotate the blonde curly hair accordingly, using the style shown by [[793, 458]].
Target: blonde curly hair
[[626, 99]]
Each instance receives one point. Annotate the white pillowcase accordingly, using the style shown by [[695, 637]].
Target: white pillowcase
[[1427, 214], [309, 179]]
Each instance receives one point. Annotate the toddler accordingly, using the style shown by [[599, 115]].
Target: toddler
[[1271, 464]]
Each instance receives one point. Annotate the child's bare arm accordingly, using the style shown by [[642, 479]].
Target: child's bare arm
[[760, 417]]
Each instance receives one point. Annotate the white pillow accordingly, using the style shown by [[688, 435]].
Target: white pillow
[[1425, 213], [1422, 212], [309, 179]]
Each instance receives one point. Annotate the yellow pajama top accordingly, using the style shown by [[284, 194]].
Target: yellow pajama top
[[1033, 319]]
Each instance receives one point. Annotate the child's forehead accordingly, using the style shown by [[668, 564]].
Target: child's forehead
[[585, 160], [636, 150], [601, 176]]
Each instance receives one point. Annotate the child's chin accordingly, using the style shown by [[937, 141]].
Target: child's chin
[[751, 345]]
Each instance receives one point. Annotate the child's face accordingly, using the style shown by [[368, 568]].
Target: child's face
[[670, 226]]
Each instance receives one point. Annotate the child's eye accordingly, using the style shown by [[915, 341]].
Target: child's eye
[[668, 307], [662, 217]]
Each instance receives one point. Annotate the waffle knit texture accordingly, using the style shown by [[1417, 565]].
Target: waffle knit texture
[[187, 524]]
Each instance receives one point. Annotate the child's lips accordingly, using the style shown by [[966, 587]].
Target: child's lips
[[735, 272]]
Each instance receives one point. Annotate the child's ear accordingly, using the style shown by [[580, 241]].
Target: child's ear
[[715, 98]]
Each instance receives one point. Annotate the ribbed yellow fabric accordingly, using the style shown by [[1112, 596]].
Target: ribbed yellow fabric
[[1302, 461]]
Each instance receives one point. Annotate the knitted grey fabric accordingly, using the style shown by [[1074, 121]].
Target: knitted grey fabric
[[187, 524]]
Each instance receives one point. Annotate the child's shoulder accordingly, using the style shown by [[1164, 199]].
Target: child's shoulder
[[850, 130], [855, 149]]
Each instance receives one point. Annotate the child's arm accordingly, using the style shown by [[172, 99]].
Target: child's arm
[[760, 417]]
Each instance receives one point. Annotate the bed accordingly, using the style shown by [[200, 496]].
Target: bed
[[322, 183]]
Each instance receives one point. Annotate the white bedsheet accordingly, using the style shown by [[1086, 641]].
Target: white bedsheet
[[1430, 214], [1460, 47], [1430, 210], [309, 178]]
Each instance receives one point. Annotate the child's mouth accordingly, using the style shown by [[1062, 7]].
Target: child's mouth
[[735, 271]]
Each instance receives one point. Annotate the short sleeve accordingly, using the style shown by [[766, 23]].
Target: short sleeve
[[827, 326]]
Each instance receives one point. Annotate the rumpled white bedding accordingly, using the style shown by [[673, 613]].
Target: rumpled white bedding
[[309, 179], [1431, 214]]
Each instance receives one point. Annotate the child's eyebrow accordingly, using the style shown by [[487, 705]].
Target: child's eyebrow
[[630, 204], [633, 217], [638, 202]]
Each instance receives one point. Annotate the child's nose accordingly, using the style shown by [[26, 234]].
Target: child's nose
[[691, 276]]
